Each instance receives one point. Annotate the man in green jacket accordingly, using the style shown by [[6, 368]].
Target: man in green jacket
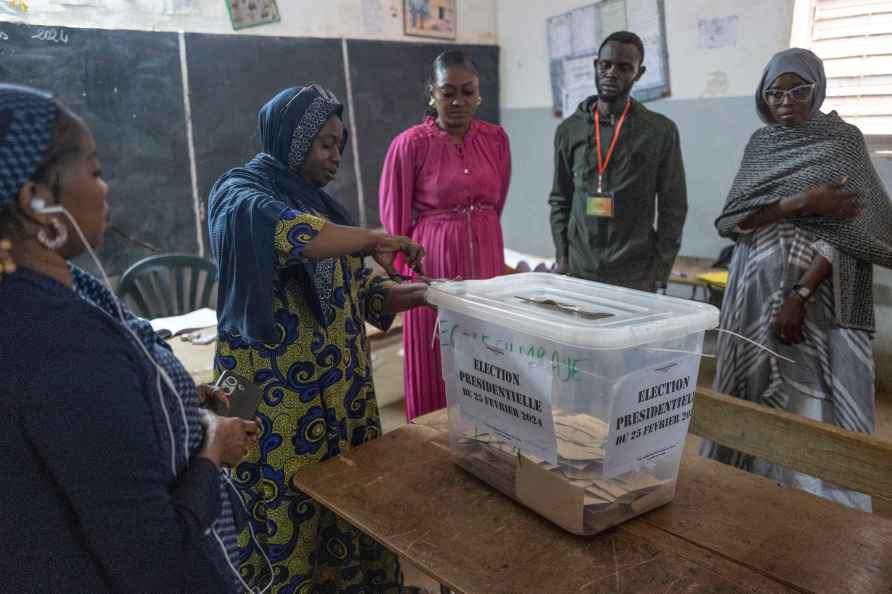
[[618, 202]]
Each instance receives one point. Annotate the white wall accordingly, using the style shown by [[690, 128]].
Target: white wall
[[763, 28], [710, 100], [364, 19], [524, 50]]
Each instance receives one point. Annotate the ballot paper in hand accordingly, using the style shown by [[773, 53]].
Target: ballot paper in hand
[[196, 320]]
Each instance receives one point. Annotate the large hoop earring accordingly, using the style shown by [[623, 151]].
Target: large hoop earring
[[60, 235], [479, 101], [432, 103]]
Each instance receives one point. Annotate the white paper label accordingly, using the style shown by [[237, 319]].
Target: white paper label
[[650, 415], [505, 393]]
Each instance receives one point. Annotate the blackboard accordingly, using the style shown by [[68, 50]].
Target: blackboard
[[127, 86], [389, 82], [232, 77]]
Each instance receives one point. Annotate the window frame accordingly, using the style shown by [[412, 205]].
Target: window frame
[[800, 36]]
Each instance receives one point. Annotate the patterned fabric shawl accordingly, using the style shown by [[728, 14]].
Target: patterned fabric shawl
[[780, 161]]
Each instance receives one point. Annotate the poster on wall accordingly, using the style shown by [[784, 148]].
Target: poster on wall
[[251, 13], [574, 38], [430, 18]]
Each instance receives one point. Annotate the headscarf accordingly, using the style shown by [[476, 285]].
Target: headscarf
[[797, 61], [781, 161], [247, 203], [27, 117]]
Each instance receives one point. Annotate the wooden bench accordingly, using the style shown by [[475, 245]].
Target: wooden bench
[[851, 460]]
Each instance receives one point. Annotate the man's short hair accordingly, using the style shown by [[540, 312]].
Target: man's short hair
[[625, 37]]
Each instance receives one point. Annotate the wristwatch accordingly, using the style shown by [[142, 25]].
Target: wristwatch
[[804, 292]]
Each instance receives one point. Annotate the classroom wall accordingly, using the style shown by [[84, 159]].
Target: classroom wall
[[710, 90], [363, 19], [711, 101]]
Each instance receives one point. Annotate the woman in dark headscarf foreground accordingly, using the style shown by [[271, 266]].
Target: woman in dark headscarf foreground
[[112, 484], [810, 218], [293, 301]]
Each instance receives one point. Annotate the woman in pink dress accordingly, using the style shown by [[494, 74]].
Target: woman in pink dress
[[444, 184]]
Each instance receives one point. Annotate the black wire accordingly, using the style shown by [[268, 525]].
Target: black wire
[[133, 240]]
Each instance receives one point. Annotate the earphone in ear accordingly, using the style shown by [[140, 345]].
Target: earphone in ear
[[39, 205]]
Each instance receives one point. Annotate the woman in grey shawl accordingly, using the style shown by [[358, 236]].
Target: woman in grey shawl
[[810, 218]]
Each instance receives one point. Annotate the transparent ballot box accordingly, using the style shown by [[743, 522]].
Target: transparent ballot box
[[569, 396]]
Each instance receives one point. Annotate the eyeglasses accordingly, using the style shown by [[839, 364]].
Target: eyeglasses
[[799, 94]]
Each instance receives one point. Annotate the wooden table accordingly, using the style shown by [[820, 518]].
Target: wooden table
[[198, 359], [687, 268], [726, 531]]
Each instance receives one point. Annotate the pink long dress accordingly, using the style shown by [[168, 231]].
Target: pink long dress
[[448, 197]]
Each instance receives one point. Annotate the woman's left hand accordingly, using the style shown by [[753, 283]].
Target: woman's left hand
[[791, 320], [389, 245], [212, 397]]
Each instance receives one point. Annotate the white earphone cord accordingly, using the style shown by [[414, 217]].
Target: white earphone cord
[[269, 564], [711, 356], [162, 374]]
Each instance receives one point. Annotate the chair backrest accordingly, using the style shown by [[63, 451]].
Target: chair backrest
[[169, 285], [851, 460]]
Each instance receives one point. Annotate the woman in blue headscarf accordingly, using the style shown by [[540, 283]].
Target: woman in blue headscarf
[[112, 483], [293, 301]]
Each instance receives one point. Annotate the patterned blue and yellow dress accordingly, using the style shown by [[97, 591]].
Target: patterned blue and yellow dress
[[318, 402]]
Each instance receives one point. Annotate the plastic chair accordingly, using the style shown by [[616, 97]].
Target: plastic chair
[[169, 285]]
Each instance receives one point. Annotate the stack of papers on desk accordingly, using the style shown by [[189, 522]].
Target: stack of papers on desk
[[196, 320]]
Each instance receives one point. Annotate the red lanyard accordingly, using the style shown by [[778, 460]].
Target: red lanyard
[[602, 163]]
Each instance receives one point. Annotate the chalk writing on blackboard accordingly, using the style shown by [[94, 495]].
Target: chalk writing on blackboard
[[4, 36], [51, 35]]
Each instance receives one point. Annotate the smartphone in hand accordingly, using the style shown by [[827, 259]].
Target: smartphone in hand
[[244, 396]]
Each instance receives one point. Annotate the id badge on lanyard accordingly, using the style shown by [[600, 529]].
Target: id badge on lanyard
[[601, 204]]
